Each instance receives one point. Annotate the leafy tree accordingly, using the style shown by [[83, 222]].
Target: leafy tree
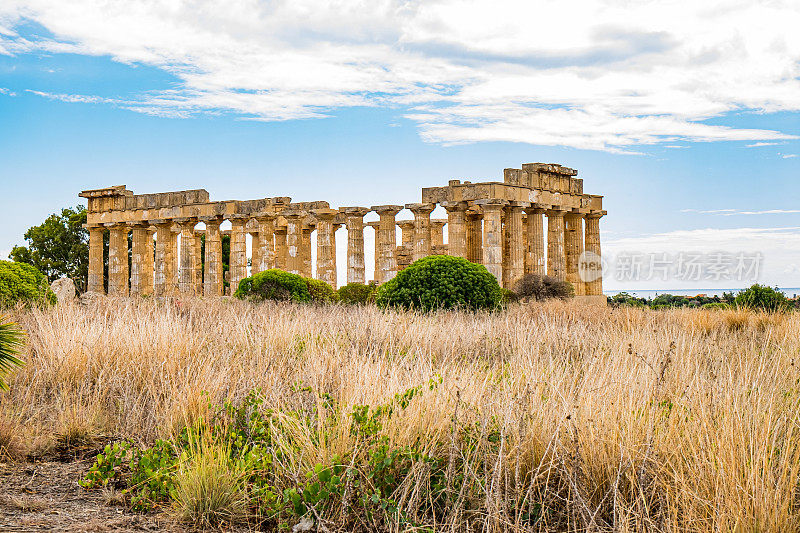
[[58, 247], [762, 297], [11, 340], [21, 283]]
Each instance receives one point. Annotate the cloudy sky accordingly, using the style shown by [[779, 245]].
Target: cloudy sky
[[684, 114]]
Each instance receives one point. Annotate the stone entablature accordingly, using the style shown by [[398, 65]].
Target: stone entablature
[[498, 224]]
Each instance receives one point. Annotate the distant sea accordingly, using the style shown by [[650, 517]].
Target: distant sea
[[791, 292]]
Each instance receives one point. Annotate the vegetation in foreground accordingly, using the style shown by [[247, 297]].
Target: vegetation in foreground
[[540, 417]]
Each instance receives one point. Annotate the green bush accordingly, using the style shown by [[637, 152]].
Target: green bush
[[441, 282], [274, 284], [320, 291], [715, 305], [763, 298], [357, 293], [11, 342], [23, 283]]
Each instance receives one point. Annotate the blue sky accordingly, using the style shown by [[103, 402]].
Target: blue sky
[[686, 120]]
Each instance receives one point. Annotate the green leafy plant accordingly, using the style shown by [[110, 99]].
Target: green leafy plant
[[11, 342], [320, 291], [274, 284], [21, 283], [441, 282], [762, 297], [357, 293], [59, 246]]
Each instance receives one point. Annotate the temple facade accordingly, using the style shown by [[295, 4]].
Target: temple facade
[[537, 220]]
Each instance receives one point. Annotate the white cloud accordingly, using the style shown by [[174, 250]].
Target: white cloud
[[603, 74], [734, 212], [758, 145], [7, 92], [788, 156]]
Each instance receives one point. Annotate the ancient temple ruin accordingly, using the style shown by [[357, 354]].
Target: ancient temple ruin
[[498, 224]]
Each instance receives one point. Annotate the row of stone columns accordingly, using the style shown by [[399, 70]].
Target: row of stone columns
[[491, 232]]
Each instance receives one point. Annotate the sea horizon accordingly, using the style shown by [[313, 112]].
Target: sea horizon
[[790, 292]]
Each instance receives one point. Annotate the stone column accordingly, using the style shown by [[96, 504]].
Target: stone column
[[266, 237], [456, 228], [354, 220], [534, 254], [407, 233], [516, 254], [592, 266], [118, 260], [437, 235], [212, 282], [422, 229], [164, 263], [556, 260], [474, 236], [376, 252], [294, 240], [255, 245], [187, 274], [95, 282], [309, 224], [326, 246], [281, 252], [386, 242], [238, 261], [174, 254], [493, 236], [141, 259], [573, 249], [198, 263]]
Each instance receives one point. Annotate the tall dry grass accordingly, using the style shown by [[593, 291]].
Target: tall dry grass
[[608, 419]]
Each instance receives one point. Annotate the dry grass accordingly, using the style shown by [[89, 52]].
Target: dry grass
[[627, 419]]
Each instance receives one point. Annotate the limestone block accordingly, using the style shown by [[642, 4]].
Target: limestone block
[[64, 289]]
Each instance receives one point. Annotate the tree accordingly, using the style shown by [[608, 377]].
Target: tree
[[762, 297], [58, 247]]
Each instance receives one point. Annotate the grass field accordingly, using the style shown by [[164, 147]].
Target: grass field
[[550, 417]]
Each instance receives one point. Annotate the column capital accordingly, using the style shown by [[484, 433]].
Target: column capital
[[556, 211], [521, 205], [405, 224], [454, 206], [387, 209], [595, 214], [491, 204], [211, 219], [138, 224], [421, 209], [537, 208], [265, 216], [114, 225], [438, 222], [354, 211], [239, 218], [375, 224], [325, 214]]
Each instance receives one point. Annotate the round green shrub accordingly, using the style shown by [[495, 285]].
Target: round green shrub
[[274, 284], [320, 291], [21, 283], [357, 293], [441, 282], [762, 297]]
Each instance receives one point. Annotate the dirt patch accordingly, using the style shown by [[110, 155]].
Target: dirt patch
[[45, 496]]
